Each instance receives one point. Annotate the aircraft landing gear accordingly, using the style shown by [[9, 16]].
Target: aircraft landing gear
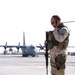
[[24, 55]]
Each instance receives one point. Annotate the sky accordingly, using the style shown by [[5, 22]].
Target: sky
[[33, 18]]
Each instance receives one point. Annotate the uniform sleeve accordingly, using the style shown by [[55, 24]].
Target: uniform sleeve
[[62, 34]]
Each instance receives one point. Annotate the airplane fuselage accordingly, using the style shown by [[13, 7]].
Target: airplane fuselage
[[29, 51]]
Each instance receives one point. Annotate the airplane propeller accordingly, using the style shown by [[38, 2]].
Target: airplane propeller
[[41, 47], [5, 48], [18, 47], [10, 49]]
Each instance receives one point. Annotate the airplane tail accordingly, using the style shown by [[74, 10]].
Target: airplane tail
[[24, 38]]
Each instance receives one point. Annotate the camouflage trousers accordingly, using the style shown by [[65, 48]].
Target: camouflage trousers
[[54, 70]]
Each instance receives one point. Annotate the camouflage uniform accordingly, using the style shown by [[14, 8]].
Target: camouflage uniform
[[55, 51]]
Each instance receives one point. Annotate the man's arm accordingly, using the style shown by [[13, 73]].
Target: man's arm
[[62, 34]]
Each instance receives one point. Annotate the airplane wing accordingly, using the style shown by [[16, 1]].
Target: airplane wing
[[13, 46]]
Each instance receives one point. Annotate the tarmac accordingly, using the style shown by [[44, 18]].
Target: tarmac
[[18, 65]]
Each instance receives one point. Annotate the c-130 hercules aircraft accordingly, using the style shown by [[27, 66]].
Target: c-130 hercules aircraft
[[26, 50]]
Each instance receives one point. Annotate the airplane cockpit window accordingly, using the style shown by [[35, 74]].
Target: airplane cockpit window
[[32, 47], [24, 46]]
